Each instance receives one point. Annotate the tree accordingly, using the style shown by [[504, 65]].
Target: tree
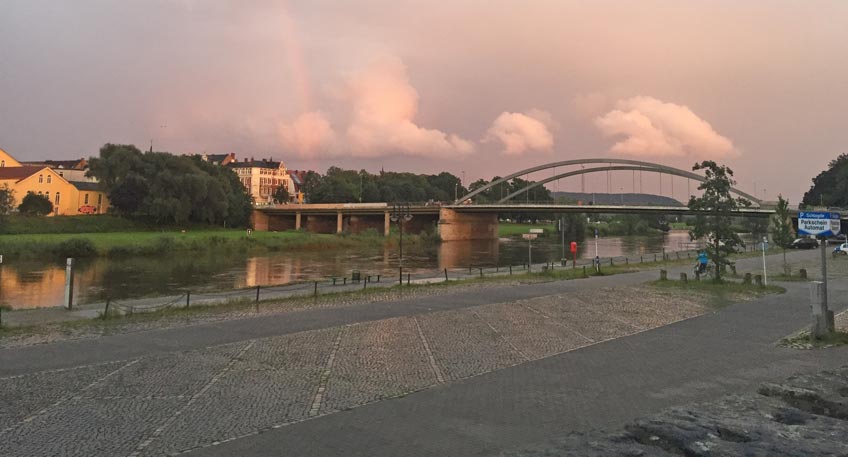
[[35, 205], [782, 232], [167, 188], [830, 187], [7, 200], [713, 212], [281, 194]]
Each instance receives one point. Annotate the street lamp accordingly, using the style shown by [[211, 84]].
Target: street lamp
[[400, 214]]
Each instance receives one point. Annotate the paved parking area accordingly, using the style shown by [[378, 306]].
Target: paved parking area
[[173, 402]]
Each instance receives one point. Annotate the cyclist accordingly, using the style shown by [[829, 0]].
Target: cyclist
[[702, 261]]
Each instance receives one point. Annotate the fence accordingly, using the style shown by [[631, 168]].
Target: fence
[[362, 281]]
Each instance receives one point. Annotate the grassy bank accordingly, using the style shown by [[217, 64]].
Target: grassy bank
[[507, 229], [139, 243], [723, 292]]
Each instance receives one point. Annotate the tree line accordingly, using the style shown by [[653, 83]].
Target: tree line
[[170, 189]]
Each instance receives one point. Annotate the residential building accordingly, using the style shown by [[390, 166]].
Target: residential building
[[69, 197], [219, 159], [262, 177]]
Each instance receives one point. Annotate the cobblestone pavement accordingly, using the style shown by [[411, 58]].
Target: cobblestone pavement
[[169, 403]]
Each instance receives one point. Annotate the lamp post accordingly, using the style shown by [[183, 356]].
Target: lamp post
[[400, 214]]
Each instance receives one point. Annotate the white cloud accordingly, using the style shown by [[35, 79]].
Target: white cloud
[[651, 127], [522, 132]]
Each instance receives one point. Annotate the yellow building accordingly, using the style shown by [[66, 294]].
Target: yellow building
[[69, 198]]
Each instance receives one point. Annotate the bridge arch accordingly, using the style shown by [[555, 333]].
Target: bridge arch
[[627, 165]]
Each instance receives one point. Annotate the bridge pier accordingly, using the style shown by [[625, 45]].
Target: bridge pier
[[457, 226]]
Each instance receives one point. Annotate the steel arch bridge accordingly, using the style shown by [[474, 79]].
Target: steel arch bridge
[[622, 164]]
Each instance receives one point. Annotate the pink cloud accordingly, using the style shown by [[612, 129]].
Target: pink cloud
[[311, 133], [383, 105], [651, 127], [522, 132]]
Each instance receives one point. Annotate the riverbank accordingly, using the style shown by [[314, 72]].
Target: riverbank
[[145, 243], [56, 324]]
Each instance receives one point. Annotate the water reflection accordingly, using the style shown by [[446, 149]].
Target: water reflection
[[34, 284]]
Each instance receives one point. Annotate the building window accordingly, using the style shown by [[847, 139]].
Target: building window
[[99, 199], [49, 179], [40, 179], [47, 194], [57, 199], [2, 163], [85, 199]]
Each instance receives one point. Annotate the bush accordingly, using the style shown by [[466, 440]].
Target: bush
[[75, 247], [35, 205]]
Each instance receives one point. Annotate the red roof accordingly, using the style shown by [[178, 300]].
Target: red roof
[[18, 173]]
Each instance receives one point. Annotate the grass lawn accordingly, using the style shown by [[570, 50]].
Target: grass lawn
[[507, 229], [722, 293], [151, 243]]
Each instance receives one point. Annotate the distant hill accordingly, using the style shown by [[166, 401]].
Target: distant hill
[[617, 199]]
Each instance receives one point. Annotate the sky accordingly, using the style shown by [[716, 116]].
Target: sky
[[477, 88]]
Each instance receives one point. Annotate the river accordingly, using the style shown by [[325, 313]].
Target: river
[[28, 284]]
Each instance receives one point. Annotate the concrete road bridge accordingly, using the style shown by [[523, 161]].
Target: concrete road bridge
[[465, 219]]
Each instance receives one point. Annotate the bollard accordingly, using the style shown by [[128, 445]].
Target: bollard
[[641, 260], [822, 318], [663, 275], [510, 270], [746, 279], [469, 269], [758, 280], [315, 289], [610, 261], [446, 275], [344, 281], [365, 283], [655, 257], [802, 273], [626, 262], [69, 283], [257, 294], [584, 272], [481, 272], [683, 278], [188, 298], [334, 281], [378, 278], [407, 278], [497, 268], [106, 309]]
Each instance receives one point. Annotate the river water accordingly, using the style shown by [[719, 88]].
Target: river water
[[28, 284]]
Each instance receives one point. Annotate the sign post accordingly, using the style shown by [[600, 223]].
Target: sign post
[[530, 237], [821, 224]]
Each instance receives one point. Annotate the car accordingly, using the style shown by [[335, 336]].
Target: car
[[841, 249], [805, 243]]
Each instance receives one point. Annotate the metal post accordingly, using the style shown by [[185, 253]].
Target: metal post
[[408, 276], [69, 283], [106, 310], [257, 293], [529, 254], [824, 272], [510, 269], [765, 275], [188, 298], [481, 272], [446, 275]]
